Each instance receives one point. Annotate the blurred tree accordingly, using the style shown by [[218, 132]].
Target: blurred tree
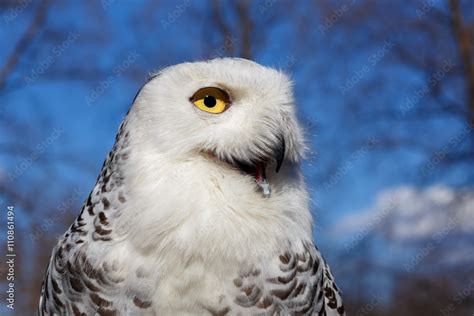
[[429, 41], [416, 295]]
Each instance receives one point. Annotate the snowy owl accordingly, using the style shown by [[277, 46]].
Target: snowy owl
[[200, 207]]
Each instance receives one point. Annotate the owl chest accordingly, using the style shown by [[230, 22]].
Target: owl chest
[[195, 287]]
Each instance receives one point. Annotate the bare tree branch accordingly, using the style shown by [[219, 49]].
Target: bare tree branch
[[22, 45], [463, 38], [246, 28]]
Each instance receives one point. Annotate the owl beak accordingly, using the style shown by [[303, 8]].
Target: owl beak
[[280, 153], [261, 179], [258, 168], [260, 175]]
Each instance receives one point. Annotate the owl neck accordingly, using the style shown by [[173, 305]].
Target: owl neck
[[195, 206]]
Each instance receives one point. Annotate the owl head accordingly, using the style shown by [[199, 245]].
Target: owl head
[[234, 111]]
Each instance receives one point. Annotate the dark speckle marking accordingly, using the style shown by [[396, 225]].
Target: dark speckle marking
[[76, 284], [140, 273], [285, 258], [99, 301], [91, 286], [139, 303], [101, 231], [221, 312], [248, 290], [57, 300], [90, 210], [251, 297], [56, 286], [106, 203], [103, 218], [288, 278], [121, 198], [329, 293], [340, 309], [76, 311], [284, 293], [238, 282], [265, 302], [300, 289]]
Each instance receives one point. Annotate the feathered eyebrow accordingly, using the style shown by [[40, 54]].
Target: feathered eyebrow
[[201, 92]]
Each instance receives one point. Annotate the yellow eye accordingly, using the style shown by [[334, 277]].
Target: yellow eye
[[211, 100]]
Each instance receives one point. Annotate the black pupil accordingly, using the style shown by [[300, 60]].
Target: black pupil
[[209, 101]]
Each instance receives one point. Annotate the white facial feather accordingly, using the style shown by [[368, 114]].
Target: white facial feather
[[203, 199], [262, 108]]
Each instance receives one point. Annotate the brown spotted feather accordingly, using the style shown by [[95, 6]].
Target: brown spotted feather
[[73, 285]]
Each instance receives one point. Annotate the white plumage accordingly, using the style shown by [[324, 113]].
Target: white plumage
[[189, 215]]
